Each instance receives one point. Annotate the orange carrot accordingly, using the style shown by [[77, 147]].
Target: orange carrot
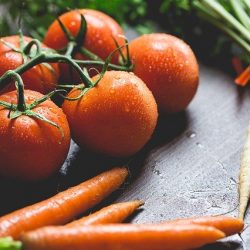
[[121, 236], [114, 213], [64, 206], [228, 225], [244, 77]]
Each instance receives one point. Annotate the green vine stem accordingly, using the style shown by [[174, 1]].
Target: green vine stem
[[29, 46], [70, 48], [21, 105], [75, 45], [89, 54], [44, 57], [105, 65], [127, 63], [27, 109], [62, 58], [101, 63]]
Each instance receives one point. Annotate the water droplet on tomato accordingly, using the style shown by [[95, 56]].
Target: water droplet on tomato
[[191, 134]]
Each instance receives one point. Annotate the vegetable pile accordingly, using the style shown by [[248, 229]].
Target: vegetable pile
[[106, 85], [111, 92]]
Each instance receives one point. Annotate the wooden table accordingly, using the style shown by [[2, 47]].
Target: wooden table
[[189, 168]]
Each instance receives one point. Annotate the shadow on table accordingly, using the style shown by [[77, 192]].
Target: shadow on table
[[223, 246]]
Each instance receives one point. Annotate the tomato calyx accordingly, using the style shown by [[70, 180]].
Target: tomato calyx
[[75, 45], [21, 108], [84, 89], [34, 53]]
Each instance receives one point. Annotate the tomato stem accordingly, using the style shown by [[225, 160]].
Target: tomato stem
[[21, 106], [81, 33], [42, 58], [89, 54], [65, 30], [128, 61], [29, 46], [61, 58], [123, 58], [128, 66], [70, 48], [101, 63]]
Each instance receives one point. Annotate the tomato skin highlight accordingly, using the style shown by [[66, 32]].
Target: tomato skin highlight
[[101, 29], [169, 68], [32, 149], [39, 78], [116, 118]]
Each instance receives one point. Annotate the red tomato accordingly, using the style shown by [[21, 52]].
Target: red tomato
[[169, 68], [100, 29], [32, 149], [41, 78], [99, 37], [117, 117]]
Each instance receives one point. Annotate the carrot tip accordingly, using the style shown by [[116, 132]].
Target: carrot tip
[[140, 203], [244, 77]]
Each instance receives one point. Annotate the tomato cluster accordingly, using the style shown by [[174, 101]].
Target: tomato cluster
[[113, 112]]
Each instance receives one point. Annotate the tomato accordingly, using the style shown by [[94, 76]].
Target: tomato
[[169, 68], [42, 77], [116, 118], [99, 37], [100, 29], [32, 149]]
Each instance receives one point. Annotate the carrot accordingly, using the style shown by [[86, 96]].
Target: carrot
[[244, 186], [64, 206], [244, 77], [227, 225], [114, 213], [121, 236]]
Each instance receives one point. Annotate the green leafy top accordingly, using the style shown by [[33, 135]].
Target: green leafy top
[[9, 244]]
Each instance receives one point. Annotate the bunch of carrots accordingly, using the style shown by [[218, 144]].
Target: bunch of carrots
[[50, 224]]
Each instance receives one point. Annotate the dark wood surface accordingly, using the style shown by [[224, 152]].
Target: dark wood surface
[[189, 168]]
